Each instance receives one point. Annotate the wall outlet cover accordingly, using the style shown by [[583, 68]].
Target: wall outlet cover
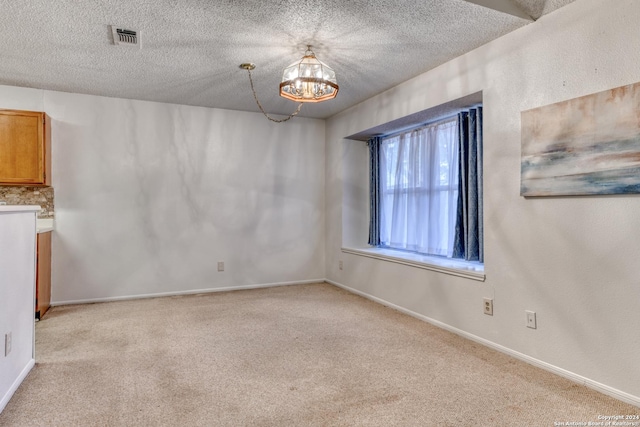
[[488, 306], [531, 319]]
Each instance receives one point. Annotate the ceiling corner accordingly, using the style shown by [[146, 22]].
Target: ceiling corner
[[504, 6]]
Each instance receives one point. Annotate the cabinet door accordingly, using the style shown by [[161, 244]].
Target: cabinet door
[[24, 146], [43, 274]]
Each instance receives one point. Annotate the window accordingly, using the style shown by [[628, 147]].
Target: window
[[427, 189], [419, 189]]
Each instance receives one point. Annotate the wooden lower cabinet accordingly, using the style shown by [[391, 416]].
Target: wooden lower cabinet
[[43, 274]]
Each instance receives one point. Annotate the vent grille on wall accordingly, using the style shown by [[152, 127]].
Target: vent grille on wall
[[125, 37]]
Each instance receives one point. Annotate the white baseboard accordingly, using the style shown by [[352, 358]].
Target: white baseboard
[[189, 292], [602, 388], [16, 384]]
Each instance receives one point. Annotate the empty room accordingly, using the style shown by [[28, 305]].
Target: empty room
[[320, 213]]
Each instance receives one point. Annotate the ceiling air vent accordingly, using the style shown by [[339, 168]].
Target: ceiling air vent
[[125, 37]]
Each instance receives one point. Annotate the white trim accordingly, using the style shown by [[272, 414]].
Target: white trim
[[14, 387], [19, 208], [189, 292], [602, 388], [446, 265]]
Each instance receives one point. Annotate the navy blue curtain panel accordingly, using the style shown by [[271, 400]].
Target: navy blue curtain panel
[[469, 233], [374, 188]]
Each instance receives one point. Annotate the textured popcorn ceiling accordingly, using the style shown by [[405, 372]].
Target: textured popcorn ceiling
[[191, 49]]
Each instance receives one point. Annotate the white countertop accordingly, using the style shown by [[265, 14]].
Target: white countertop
[[44, 225]]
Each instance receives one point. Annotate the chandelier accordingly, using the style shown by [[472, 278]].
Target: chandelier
[[307, 80]]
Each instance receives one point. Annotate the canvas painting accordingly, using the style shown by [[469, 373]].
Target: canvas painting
[[586, 145]]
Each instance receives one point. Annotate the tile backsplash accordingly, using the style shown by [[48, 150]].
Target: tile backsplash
[[43, 196]]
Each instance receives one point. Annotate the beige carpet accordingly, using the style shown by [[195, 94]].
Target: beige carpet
[[308, 355]]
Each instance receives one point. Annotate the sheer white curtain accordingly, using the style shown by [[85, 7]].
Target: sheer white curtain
[[419, 189]]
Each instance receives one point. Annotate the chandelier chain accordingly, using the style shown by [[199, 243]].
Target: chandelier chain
[[262, 109]]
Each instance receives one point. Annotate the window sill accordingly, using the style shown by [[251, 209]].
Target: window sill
[[467, 269]]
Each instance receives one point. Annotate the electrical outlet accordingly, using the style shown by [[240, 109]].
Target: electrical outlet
[[488, 306], [340, 265], [220, 265], [7, 344], [531, 319]]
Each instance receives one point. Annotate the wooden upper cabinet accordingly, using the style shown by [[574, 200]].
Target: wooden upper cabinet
[[25, 148]]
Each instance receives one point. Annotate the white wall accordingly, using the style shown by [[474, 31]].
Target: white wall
[[150, 196], [572, 260], [17, 288]]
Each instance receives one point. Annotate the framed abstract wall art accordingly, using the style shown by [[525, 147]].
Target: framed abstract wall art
[[583, 146]]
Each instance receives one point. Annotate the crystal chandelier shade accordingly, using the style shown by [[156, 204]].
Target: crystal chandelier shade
[[308, 80]]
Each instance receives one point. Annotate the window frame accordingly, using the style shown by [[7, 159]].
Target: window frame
[[429, 190], [354, 241]]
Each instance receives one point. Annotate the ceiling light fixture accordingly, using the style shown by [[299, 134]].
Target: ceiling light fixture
[[307, 80]]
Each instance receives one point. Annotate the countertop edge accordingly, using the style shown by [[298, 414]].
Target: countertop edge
[[45, 225], [19, 208]]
